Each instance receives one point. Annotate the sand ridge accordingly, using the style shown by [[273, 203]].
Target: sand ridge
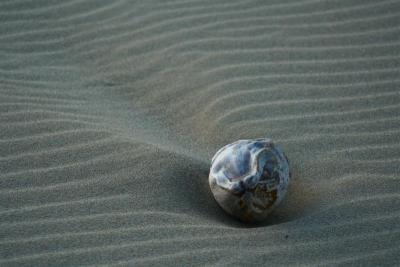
[[110, 113]]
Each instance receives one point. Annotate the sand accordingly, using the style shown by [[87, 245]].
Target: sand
[[110, 112]]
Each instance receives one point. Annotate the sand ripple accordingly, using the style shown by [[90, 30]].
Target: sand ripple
[[110, 112]]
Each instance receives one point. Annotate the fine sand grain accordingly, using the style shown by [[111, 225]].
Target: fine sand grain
[[110, 112]]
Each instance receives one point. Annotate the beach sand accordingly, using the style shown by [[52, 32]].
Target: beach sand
[[110, 112]]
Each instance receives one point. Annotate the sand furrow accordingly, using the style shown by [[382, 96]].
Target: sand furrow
[[113, 252]]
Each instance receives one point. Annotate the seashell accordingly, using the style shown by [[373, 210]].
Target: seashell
[[249, 178]]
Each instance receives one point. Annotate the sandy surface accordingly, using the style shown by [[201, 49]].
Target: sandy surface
[[110, 112]]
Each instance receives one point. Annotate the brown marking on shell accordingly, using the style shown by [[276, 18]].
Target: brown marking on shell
[[247, 215], [270, 196]]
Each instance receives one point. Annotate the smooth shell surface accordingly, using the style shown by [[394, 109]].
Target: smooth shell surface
[[249, 178]]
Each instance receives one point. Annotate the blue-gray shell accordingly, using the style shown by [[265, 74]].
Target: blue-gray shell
[[249, 178]]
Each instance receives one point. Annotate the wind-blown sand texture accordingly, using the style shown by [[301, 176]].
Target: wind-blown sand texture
[[110, 112]]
